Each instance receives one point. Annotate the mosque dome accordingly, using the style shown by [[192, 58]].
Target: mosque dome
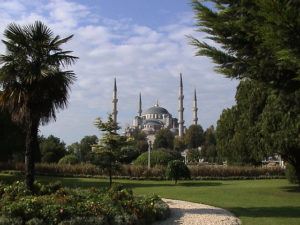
[[156, 110]]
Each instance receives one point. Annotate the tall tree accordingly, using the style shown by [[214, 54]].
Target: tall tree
[[33, 83], [164, 138], [194, 136], [258, 41], [107, 153]]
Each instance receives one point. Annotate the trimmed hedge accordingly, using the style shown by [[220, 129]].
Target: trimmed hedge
[[155, 173]]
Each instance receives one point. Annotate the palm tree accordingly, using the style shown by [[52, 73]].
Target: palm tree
[[32, 82]]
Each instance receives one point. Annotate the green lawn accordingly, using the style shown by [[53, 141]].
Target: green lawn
[[253, 201]]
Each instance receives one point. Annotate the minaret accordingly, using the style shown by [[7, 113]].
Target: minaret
[[139, 112], [114, 102], [195, 109], [180, 108]]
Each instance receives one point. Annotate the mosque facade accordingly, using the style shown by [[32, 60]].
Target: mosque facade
[[156, 117]]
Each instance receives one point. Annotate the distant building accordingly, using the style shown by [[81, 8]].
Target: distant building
[[156, 117]]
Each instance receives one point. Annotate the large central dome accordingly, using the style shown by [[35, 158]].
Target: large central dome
[[156, 110]]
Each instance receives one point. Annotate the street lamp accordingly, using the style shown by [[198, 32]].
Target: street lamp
[[149, 154]]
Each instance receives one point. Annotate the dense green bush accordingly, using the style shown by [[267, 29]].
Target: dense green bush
[[177, 169], [290, 173], [156, 158], [69, 159], [52, 204]]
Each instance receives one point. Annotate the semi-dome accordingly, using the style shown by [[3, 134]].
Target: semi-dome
[[156, 110], [153, 122]]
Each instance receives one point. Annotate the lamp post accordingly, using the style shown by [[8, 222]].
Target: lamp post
[[149, 154]]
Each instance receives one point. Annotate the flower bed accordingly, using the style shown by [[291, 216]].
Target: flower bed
[[53, 204]]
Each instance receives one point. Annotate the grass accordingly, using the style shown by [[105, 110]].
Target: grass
[[253, 201]]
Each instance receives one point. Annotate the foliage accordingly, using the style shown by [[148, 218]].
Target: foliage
[[193, 155], [107, 154], [12, 139], [32, 82], [179, 144], [156, 158], [176, 169], [128, 154], [276, 197], [156, 172], [258, 45], [53, 204], [194, 136], [69, 159], [235, 171], [140, 142], [291, 175], [164, 138], [83, 149], [208, 149], [52, 149]]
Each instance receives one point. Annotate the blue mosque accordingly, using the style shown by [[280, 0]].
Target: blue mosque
[[156, 117]]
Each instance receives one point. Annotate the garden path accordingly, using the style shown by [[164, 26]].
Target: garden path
[[189, 213]]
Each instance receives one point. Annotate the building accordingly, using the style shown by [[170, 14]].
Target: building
[[156, 117]]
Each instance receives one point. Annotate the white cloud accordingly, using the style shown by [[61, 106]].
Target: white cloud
[[143, 59]]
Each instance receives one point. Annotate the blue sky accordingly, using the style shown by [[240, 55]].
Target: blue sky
[[140, 42]]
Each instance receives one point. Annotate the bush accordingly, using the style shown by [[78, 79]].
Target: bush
[[177, 169], [53, 204], [157, 158], [290, 173], [69, 159]]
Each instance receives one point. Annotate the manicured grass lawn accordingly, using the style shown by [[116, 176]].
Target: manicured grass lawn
[[253, 201]]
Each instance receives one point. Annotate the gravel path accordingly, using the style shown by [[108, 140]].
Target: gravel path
[[189, 213]]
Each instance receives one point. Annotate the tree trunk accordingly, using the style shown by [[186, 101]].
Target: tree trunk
[[297, 168], [30, 145], [110, 178]]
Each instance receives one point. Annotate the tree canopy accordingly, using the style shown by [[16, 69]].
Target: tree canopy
[[164, 138], [256, 41], [52, 149], [193, 136]]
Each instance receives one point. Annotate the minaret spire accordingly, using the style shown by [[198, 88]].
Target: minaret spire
[[139, 112], [180, 108], [195, 109], [114, 102]]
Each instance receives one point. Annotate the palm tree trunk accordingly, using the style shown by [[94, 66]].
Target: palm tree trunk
[[30, 145]]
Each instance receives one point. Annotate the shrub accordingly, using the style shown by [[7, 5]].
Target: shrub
[[290, 173], [69, 159], [177, 169], [52, 204], [156, 158]]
